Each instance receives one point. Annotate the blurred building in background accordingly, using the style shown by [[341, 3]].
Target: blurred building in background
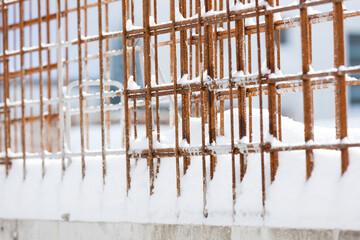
[[322, 38]]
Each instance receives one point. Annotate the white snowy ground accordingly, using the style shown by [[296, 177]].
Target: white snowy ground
[[327, 200]]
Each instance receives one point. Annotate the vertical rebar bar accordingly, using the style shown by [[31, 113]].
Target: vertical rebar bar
[[87, 120], [240, 66], [221, 73], [307, 90], [157, 82], [60, 87], [270, 56], [263, 190], [107, 76], [190, 39], [200, 60], [81, 97], [250, 97], [278, 53], [49, 133], [279, 117], [340, 86], [133, 54], [185, 97], [209, 66], [147, 79], [32, 140], [6, 86], [126, 102], [66, 40], [233, 170], [1, 127], [22, 67], [41, 85], [14, 87], [173, 66], [101, 67]]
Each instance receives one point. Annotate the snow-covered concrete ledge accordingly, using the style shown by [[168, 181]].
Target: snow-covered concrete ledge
[[58, 230]]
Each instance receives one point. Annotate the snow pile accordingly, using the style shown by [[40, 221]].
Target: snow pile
[[132, 85], [277, 17], [312, 11], [130, 26], [178, 16], [327, 200], [152, 21]]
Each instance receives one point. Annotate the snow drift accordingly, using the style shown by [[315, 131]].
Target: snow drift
[[327, 200]]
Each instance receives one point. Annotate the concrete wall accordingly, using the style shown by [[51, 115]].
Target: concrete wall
[[56, 230]]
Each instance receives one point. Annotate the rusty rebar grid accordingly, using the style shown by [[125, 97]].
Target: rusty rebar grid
[[201, 43]]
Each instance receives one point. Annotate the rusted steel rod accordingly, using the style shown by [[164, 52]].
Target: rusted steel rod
[[148, 99], [198, 151], [60, 81], [166, 90], [107, 76], [126, 102], [86, 62], [31, 82], [66, 49], [81, 98], [6, 88], [41, 83], [209, 67], [22, 78], [15, 93], [199, 58], [270, 57], [156, 66], [185, 98], [307, 91], [250, 79], [278, 63], [340, 86], [49, 133], [173, 66], [240, 66], [250, 97], [221, 72], [232, 137], [263, 190], [101, 67]]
